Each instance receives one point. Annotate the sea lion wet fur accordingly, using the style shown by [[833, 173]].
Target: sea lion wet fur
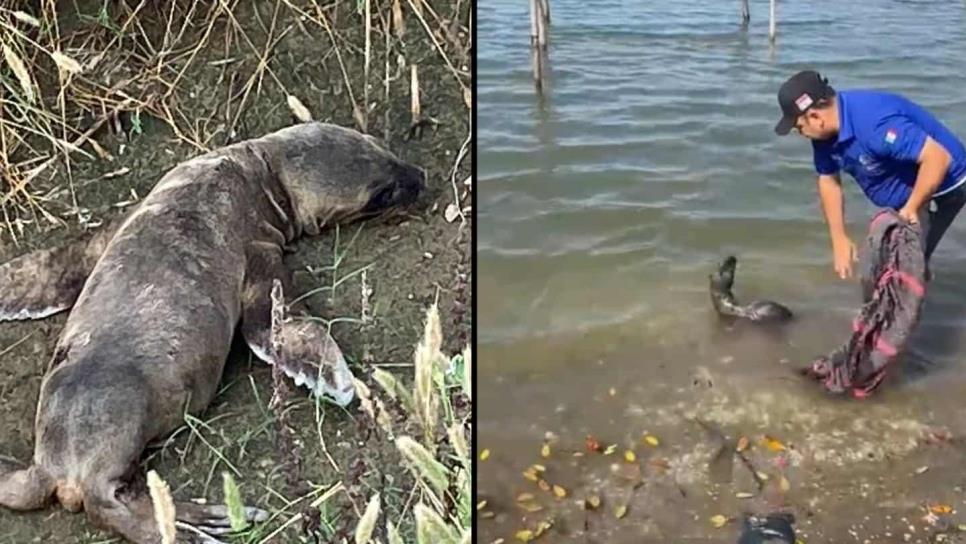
[[155, 299], [760, 311]]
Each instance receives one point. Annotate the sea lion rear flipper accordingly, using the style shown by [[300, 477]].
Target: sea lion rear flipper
[[299, 345], [132, 515], [24, 489], [47, 281]]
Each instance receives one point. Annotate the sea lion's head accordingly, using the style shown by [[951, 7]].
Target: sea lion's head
[[724, 277], [335, 174]]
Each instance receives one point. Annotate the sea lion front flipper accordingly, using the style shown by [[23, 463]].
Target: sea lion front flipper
[[298, 344], [47, 281]]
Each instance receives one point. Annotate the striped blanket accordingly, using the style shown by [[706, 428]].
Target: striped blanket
[[893, 288]]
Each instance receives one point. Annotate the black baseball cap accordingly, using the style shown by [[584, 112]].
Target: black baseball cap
[[799, 93]]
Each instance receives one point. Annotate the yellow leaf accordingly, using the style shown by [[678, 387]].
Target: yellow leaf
[[486, 514], [525, 535], [610, 449], [783, 483], [629, 456], [525, 497], [545, 450], [530, 475], [744, 495], [592, 502], [718, 521], [742, 444], [542, 527], [941, 509], [538, 468], [530, 506], [481, 505], [484, 455], [559, 491], [772, 443], [651, 440], [620, 511], [543, 485], [613, 392]]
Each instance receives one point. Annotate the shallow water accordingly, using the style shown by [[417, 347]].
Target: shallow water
[[602, 208]]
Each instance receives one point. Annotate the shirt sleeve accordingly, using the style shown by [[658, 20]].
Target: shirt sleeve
[[822, 155], [898, 138]]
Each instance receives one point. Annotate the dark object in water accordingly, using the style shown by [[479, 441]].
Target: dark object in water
[[893, 288], [764, 311], [774, 528]]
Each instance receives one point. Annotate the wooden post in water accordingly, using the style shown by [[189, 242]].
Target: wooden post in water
[[745, 12], [541, 25], [545, 6], [539, 19], [533, 22], [771, 20]]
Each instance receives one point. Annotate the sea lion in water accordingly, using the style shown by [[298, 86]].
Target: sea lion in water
[[156, 297], [764, 311]]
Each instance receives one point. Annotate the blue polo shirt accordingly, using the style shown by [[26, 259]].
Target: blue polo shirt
[[880, 137]]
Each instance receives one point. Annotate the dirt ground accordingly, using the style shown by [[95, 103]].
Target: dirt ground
[[409, 261]]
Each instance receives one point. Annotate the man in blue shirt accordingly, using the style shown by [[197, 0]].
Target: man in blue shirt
[[898, 153]]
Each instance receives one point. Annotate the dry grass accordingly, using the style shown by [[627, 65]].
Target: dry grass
[[66, 87]]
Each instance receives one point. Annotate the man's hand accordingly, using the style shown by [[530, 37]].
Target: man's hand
[[843, 255], [909, 215]]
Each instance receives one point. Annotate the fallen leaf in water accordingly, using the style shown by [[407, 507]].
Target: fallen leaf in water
[[610, 449], [651, 440], [484, 455], [545, 451], [772, 443], [486, 514], [482, 504], [531, 475], [762, 476], [629, 456], [718, 521], [744, 495], [592, 444], [542, 527], [592, 502], [530, 507], [538, 468], [613, 392], [620, 511], [783, 484], [921, 470], [559, 491], [525, 535], [941, 509], [544, 486], [525, 497], [742, 444]]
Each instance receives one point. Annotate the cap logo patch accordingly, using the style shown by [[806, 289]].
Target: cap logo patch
[[803, 102], [890, 136]]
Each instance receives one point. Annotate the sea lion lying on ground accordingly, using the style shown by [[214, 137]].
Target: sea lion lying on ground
[[156, 298], [724, 302]]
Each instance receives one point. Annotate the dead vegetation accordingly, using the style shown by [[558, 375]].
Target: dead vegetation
[[75, 73]]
